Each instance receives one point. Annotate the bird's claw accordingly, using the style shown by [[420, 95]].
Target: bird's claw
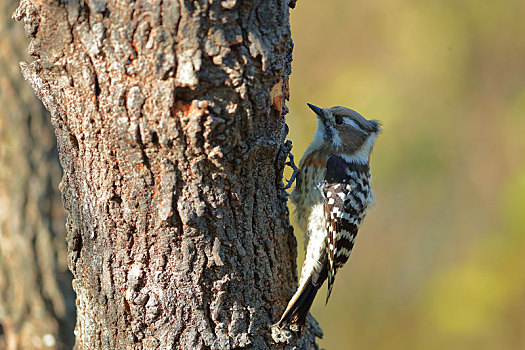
[[291, 164]]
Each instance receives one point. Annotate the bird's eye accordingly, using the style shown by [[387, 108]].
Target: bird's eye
[[339, 120]]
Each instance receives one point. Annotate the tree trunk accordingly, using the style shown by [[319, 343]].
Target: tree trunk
[[37, 302], [170, 123]]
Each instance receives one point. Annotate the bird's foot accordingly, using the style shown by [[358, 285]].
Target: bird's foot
[[291, 164]]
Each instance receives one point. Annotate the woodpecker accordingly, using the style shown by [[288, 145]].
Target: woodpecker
[[331, 198]]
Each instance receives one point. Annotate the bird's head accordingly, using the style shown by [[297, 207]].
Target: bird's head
[[346, 132]]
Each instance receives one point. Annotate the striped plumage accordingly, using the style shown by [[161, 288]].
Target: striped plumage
[[331, 196], [347, 194]]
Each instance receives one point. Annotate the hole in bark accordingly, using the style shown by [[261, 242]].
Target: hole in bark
[[97, 85], [155, 138], [116, 199], [74, 141], [126, 306]]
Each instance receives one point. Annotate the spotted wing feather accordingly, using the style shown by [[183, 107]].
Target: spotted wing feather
[[346, 194]]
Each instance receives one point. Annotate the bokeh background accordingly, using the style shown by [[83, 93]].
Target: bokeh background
[[440, 260]]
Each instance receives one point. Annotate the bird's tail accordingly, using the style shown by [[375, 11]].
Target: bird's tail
[[299, 305]]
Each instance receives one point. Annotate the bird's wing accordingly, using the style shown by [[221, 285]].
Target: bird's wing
[[345, 204]]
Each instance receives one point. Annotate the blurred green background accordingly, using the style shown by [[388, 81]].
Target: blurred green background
[[440, 260]]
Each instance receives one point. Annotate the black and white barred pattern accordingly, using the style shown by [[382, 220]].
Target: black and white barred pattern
[[347, 194]]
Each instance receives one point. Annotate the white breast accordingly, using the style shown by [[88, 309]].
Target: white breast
[[307, 194]]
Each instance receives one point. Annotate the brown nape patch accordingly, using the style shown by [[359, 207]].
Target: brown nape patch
[[351, 139], [314, 162]]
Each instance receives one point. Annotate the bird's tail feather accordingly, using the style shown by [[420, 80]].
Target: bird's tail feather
[[300, 304]]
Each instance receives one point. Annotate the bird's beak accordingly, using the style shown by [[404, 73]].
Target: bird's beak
[[318, 111]]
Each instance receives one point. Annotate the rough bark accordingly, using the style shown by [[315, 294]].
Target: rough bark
[[37, 302], [169, 117]]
